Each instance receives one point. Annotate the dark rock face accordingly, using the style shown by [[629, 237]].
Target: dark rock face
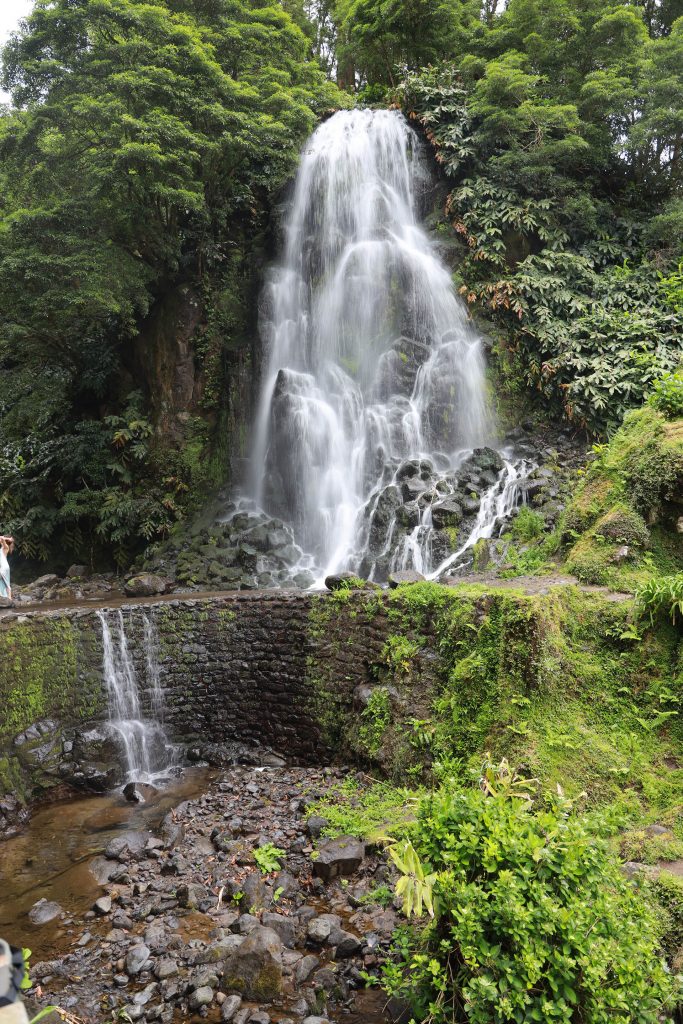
[[139, 792], [447, 513]]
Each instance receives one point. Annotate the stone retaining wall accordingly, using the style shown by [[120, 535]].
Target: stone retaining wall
[[311, 676], [234, 667]]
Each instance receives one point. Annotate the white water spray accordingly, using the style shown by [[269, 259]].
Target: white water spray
[[370, 358], [143, 741]]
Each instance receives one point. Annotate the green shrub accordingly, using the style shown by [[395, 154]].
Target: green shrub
[[666, 894], [667, 395], [375, 718], [268, 857], [661, 595], [623, 526], [533, 920], [527, 525]]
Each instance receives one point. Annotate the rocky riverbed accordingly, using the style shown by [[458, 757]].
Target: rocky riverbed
[[188, 926]]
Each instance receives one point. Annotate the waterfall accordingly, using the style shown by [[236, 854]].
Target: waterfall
[[372, 367], [144, 745]]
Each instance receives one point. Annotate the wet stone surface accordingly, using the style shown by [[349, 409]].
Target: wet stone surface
[[187, 926]]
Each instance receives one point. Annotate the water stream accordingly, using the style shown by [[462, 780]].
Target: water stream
[[147, 753], [372, 368]]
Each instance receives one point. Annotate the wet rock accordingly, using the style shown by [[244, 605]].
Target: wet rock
[[191, 895], [146, 584], [255, 969], [230, 1007], [487, 459], [102, 906], [471, 505], [259, 1017], [340, 580], [101, 869], [254, 889], [320, 928], [127, 846], [316, 825], [340, 856], [412, 488], [76, 572], [218, 951], [200, 997], [43, 582], [136, 959], [164, 968], [408, 515], [44, 911], [382, 518], [346, 946], [139, 792], [245, 924], [316, 1020], [404, 576], [447, 513], [285, 927], [305, 968]]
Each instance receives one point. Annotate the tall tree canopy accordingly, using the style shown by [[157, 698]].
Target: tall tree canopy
[[145, 140]]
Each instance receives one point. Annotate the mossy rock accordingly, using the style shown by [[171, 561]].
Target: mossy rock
[[623, 526]]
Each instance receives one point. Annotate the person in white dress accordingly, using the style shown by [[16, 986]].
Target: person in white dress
[[6, 548]]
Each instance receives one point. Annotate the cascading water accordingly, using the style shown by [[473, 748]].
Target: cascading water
[[146, 751], [373, 391]]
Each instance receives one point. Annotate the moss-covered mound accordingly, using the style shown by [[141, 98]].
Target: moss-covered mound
[[624, 521]]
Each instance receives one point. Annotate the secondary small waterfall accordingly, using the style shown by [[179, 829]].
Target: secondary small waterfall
[[372, 365], [146, 750]]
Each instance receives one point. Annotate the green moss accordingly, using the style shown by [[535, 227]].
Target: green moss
[[639, 845], [38, 674], [627, 487], [374, 720]]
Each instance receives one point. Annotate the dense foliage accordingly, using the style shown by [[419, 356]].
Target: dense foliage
[[561, 127], [532, 918], [146, 141], [145, 145]]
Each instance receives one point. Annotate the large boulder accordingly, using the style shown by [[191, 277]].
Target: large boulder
[[341, 856], [404, 576], [146, 584], [254, 970], [44, 911]]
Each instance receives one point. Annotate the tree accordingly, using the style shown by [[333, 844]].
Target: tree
[[145, 143], [380, 36]]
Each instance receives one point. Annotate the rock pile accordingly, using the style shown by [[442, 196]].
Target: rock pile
[[189, 926]]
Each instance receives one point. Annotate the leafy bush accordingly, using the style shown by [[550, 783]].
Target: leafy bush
[[533, 920], [622, 525], [527, 525], [667, 395], [661, 595], [666, 893], [268, 857], [581, 309]]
